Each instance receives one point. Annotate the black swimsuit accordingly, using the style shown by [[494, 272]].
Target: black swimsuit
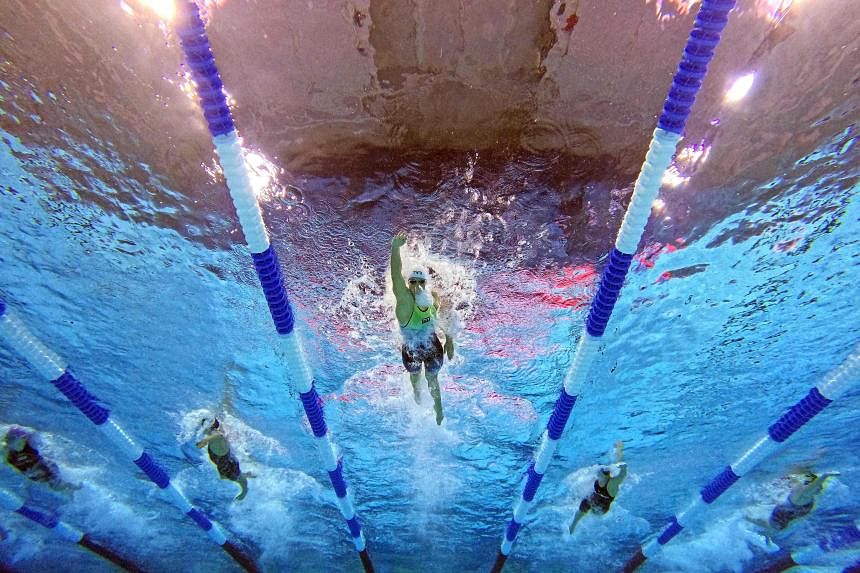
[[30, 463], [429, 354], [599, 501], [228, 466], [784, 513]]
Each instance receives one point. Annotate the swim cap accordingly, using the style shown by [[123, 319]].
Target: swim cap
[[615, 469], [418, 274], [16, 432]]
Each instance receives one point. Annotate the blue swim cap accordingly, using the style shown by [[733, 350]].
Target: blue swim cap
[[15, 432]]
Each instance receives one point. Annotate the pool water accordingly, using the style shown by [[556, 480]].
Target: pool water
[[119, 248]]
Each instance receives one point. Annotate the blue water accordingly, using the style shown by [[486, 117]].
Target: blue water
[[119, 250]]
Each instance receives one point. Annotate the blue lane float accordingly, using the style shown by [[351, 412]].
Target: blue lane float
[[201, 63], [47, 363], [703, 40], [11, 502], [834, 385]]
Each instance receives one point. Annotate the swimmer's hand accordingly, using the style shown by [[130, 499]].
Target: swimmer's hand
[[449, 347], [398, 241]]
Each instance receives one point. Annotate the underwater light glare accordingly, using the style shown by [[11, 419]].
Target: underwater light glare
[[164, 8], [740, 88], [264, 175], [777, 9], [673, 178]]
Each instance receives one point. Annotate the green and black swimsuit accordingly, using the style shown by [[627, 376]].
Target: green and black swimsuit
[[420, 343], [228, 465], [784, 513]]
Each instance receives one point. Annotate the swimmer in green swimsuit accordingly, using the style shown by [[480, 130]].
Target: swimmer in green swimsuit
[[416, 311], [223, 458]]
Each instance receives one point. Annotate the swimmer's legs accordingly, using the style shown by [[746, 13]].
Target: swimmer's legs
[[242, 480], [415, 378], [763, 523], [579, 515], [433, 384], [64, 486]]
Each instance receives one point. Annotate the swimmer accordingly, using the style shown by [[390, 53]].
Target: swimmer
[[220, 454], [22, 454], [806, 487], [416, 311], [606, 486]]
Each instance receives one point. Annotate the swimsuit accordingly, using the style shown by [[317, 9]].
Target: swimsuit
[[785, 513], [429, 354], [421, 319], [228, 466], [420, 343], [30, 463], [598, 502]]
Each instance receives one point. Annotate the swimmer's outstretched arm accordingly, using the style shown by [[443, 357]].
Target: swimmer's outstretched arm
[[619, 454], [402, 296], [622, 473], [205, 441], [400, 288], [449, 338], [449, 345]]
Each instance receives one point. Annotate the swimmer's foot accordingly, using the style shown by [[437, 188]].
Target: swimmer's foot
[[763, 523], [242, 481], [66, 487]]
